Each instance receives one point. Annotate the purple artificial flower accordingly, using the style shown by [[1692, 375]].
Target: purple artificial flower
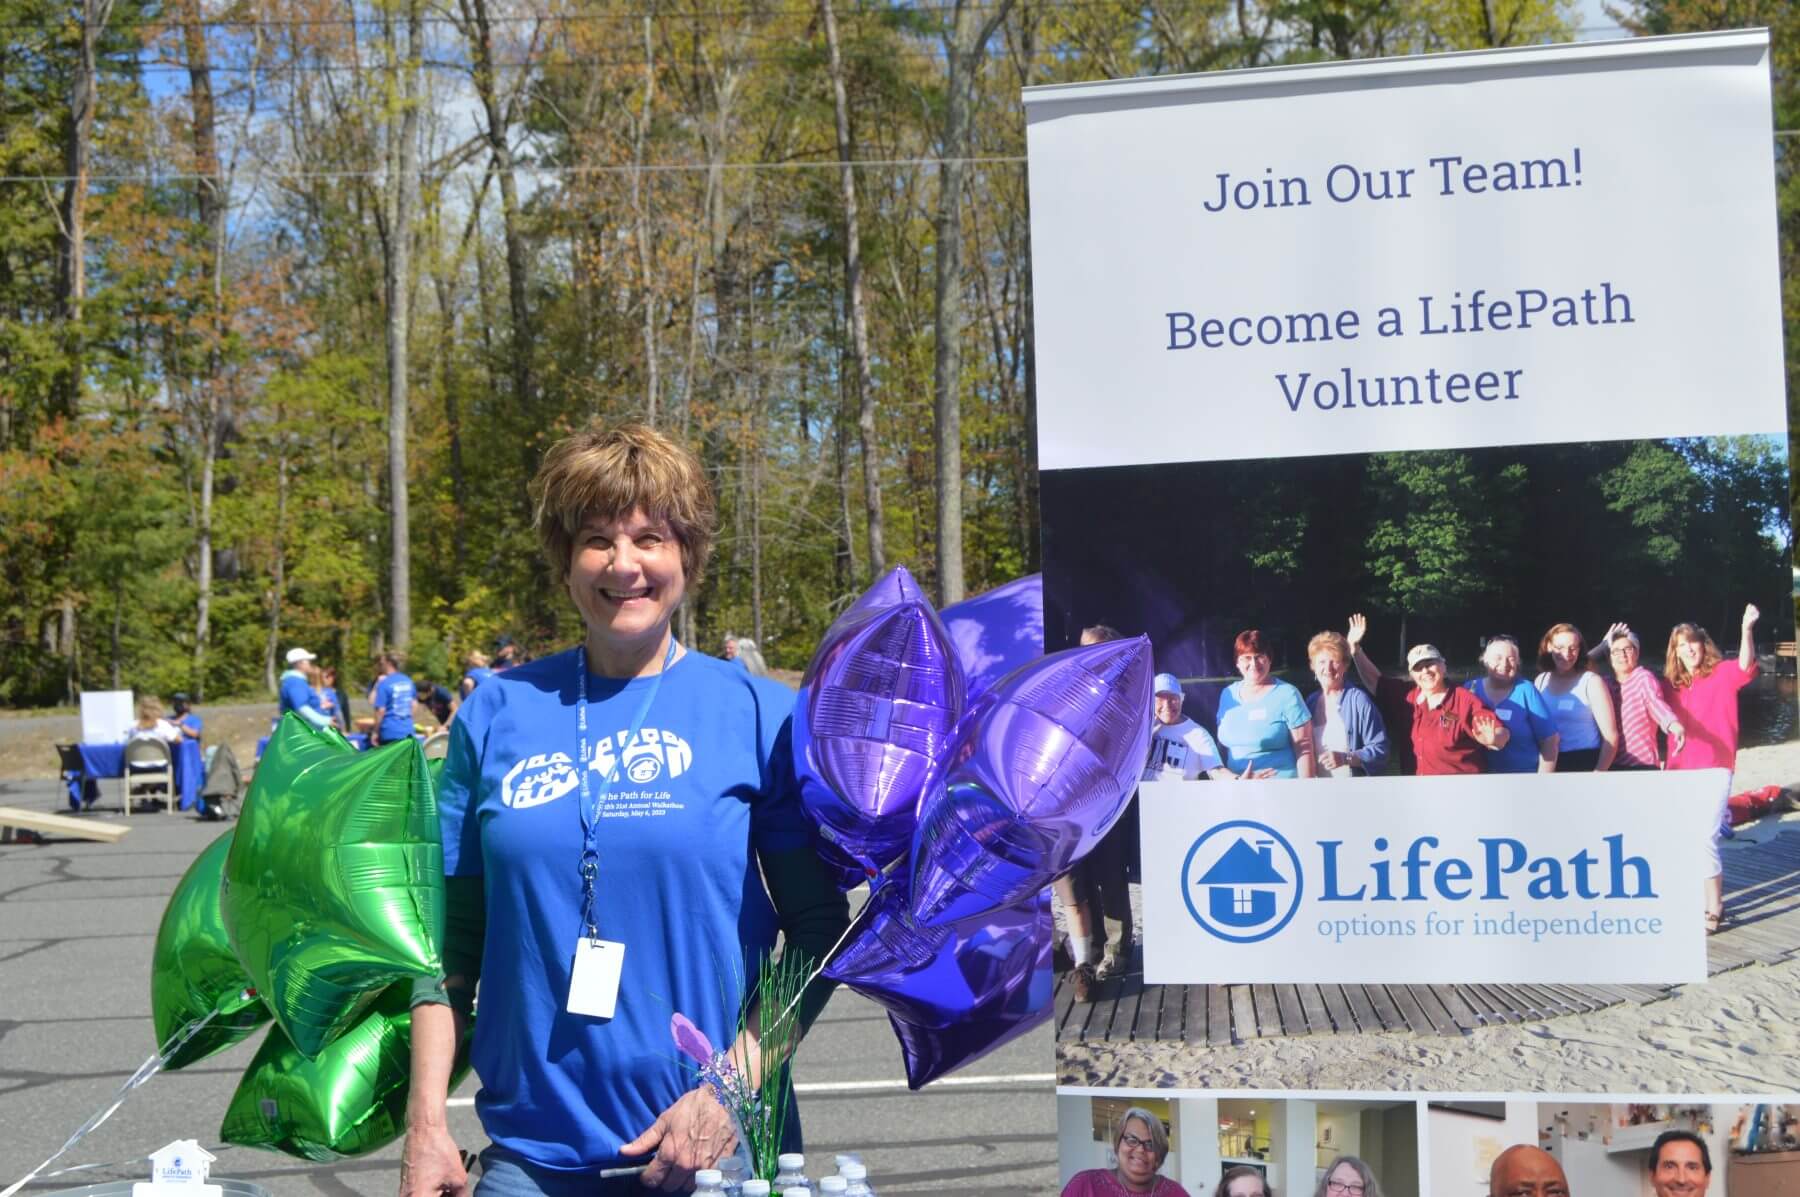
[[691, 1040]]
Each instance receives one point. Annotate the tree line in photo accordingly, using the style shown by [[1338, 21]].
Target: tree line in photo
[[1446, 546]]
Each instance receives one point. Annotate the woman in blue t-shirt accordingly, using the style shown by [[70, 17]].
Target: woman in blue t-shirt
[[622, 839], [1532, 746], [1265, 729]]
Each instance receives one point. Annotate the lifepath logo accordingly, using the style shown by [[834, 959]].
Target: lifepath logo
[[1242, 881]]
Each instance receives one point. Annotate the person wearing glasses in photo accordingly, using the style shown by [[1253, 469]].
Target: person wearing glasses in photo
[[1680, 1165], [1452, 730], [1703, 690], [1637, 693], [1141, 1147], [1348, 1176], [1349, 737], [1241, 1180], [1587, 734], [1521, 707], [1526, 1171]]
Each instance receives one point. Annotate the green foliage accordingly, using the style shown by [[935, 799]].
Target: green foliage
[[714, 295]]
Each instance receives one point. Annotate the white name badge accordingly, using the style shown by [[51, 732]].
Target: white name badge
[[594, 980]]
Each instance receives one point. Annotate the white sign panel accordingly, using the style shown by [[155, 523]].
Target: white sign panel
[[1505, 247], [107, 716], [1566, 878]]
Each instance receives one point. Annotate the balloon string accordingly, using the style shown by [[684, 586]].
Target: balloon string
[[145, 1071], [831, 953]]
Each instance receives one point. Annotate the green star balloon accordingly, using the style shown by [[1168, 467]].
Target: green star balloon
[[349, 1101], [334, 885], [194, 972]]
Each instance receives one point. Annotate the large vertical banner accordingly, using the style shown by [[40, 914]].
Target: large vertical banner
[[1428, 415]]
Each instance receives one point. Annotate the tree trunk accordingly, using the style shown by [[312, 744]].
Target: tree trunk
[[403, 189], [855, 310], [71, 265], [117, 620], [69, 646], [278, 568], [479, 26], [641, 212], [964, 47], [209, 203]]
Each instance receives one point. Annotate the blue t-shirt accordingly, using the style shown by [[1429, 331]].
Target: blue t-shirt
[[1527, 717], [296, 694], [1260, 733], [477, 674], [708, 781], [394, 694], [192, 722]]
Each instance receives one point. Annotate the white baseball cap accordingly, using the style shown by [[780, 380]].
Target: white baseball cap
[[297, 655], [1168, 683]]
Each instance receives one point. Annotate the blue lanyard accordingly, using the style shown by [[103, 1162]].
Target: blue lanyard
[[593, 804]]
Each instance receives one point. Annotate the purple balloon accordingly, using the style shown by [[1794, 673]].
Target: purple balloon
[[952, 993], [932, 975], [1011, 1009], [1041, 766], [996, 632], [876, 709]]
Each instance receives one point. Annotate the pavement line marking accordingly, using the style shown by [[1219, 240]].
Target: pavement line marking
[[1013, 1078]]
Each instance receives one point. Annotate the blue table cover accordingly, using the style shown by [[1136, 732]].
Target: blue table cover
[[108, 760]]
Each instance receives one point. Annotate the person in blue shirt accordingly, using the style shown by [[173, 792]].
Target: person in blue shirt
[[681, 795], [331, 700], [298, 691], [395, 700], [1533, 745], [475, 672], [191, 725], [1265, 729]]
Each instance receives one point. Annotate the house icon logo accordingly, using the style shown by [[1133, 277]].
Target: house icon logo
[[1241, 881]]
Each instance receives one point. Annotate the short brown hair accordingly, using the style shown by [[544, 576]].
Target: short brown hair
[[611, 472], [1333, 641], [1251, 641]]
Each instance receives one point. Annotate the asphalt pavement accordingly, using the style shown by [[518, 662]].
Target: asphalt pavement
[[77, 926]]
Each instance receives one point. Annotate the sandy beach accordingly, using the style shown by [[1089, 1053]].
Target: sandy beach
[[1736, 1033]]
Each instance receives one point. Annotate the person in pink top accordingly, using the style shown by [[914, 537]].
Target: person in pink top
[[1704, 694], [1638, 695], [1141, 1146]]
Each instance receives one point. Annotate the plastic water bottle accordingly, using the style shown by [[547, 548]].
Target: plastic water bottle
[[797, 1191], [831, 1186], [756, 1188], [731, 1168], [791, 1174], [856, 1180], [846, 1157], [709, 1182]]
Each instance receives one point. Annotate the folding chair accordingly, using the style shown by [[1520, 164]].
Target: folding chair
[[74, 772], [149, 768], [436, 746]]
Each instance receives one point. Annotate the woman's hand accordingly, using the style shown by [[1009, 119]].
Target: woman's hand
[[1488, 731], [692, 1134], [1359, 627], [1677, 735], [430, 1165], [1751, 615]]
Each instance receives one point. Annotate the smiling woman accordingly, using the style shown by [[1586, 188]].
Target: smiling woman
[[622, 840], [1140, 1147]]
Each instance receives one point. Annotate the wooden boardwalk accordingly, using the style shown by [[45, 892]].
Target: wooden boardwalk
[[1762, 905]]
